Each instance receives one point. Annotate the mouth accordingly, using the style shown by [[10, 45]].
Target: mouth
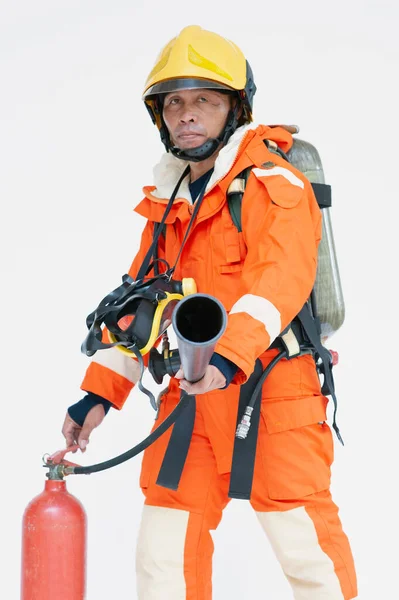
[[189, 136], [189, 139]]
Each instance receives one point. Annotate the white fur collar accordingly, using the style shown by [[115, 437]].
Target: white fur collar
[[170, 168]]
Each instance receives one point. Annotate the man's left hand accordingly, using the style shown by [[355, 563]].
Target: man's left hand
[[213, 379]]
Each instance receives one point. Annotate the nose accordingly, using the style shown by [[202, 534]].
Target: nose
[[188, 115], [187, 118]]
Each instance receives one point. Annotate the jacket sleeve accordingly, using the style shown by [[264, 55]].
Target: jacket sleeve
[[281, 225], [112, 374]]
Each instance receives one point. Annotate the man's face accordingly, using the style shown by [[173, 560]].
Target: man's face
[[194, 116]]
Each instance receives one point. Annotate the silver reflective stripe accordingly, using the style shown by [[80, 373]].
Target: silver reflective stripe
[[262, 310], [280, 171], [307, 567], [160, 554], [291, 342], [119, 363], [237, 186]]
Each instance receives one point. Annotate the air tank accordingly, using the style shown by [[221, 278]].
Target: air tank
[[327, 288]]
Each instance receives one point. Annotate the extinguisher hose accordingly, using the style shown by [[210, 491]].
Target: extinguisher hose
[[160, 430]]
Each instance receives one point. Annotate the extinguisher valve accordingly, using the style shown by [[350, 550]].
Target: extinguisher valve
[[55, 472], [57, 466], [245, 424]]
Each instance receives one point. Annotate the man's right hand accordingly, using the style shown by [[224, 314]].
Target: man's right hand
[[76, 434]]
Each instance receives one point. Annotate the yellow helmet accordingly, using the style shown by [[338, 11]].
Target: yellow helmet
[[197, 58]]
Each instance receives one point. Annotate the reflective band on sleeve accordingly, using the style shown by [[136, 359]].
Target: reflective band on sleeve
[[262, 310], [120, 363], [280, 171]]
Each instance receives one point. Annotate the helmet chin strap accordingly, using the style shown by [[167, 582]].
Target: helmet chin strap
[[199, 153], [207, 148]]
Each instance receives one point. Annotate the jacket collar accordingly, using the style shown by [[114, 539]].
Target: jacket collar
[[170, 168]]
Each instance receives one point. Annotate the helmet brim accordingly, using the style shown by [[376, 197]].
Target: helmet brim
[[184, 83]]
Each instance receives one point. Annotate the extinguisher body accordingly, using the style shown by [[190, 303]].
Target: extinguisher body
[[54, 535]]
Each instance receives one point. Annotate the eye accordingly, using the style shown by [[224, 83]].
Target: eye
[[202, 99], [174, 101]]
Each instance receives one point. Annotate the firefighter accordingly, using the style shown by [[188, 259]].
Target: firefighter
[[200, 97]]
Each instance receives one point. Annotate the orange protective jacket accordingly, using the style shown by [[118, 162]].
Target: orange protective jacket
[[262, 275]]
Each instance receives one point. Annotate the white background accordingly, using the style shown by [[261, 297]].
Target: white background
[[77, 145]]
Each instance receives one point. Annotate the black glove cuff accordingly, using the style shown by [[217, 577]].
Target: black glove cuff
[[78, 412], [225, 366]]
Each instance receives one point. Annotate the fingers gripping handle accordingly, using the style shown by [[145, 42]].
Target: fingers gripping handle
[[57, 465]]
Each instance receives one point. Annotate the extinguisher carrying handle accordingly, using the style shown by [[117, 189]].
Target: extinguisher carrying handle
[[57, 458]]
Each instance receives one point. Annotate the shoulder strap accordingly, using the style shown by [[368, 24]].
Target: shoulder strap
[[237, 187], [235, 194]]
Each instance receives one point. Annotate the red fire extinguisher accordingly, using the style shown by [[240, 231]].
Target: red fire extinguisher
[[54, 540]]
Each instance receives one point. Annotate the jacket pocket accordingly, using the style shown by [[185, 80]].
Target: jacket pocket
[[297, 448], [233, 268]]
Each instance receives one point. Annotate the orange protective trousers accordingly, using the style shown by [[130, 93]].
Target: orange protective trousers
[[290, 493]]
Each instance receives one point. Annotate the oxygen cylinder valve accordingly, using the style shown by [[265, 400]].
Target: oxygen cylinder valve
[[334, 357], [245, 424]]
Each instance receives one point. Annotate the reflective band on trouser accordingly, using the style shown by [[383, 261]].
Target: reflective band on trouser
[[160, 554], [262, 310], [312, 551], [289, 175], [175, 549]]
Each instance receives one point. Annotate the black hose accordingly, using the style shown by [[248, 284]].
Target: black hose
[[265, 373], [160, 430]]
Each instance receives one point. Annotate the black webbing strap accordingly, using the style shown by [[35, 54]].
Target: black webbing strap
[[158, 229], [234, 199], [197, 206], [309, 325], [142, 388], [322, 191], [243, 463], [178, 446]]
